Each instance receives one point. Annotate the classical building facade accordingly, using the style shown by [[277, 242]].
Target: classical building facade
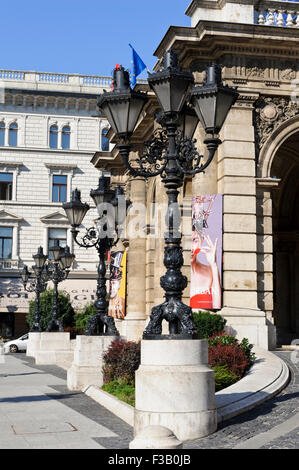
[[49, 131], [256, 169]]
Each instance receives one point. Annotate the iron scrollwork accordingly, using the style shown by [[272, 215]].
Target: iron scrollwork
[[100, 323], [171, 155]]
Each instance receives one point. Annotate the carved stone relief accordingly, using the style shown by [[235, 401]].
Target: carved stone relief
[[243, 69], [270, 113]]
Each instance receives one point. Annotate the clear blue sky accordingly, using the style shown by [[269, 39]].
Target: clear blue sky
[[84, 36]]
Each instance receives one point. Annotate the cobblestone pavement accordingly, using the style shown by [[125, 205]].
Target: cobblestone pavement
[[272, 425]]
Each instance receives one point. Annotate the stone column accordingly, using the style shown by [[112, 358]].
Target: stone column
[[265, 252], [237, 183], [134, 323]]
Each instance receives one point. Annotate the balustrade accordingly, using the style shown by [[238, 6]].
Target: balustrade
[[61, 79], [8, 265], [278, 13]]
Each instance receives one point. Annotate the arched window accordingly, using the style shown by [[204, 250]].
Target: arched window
[[53, 137], [66, 137], [2, 134], [13, 135], [105, 141]]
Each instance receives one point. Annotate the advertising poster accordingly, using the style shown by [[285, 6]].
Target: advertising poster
[[117, 284], [206, 252]]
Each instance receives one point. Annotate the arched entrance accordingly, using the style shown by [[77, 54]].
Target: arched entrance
[[285, 167]]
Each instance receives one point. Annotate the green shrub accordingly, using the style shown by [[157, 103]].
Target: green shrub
[[65, 309], [224, 339], [229, 340], [247, 348], [225, 350], [121, 360], [121, 390], [208, 324], [223, 377], [81, 317]]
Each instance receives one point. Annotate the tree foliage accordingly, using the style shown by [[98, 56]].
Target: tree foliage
[[65, 309]]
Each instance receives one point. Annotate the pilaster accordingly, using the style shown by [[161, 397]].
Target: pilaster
[[237, 183], [134, 323]]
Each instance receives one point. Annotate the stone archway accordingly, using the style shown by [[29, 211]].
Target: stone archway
[[285, 166], [279, 161]]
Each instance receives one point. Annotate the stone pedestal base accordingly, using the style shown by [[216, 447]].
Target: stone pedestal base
[[175, 388], [86, 368], [133, 329], [250, 324], [55, 348], [33, 344], [156, 437]]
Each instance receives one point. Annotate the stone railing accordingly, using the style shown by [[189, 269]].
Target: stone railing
[[93, 81], [6, 264], [277, 13], [11, 75]]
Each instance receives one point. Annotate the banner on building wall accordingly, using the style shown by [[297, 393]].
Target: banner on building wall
[[117, 284], [206, 252]]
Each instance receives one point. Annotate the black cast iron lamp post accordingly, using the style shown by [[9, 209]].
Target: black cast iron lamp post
[[58, 270], [38, 285], [171, 153], [112, 208]]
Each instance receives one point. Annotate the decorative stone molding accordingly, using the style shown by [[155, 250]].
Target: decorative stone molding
[[270, 113], [268, 183], [242, 70], [9, 219]]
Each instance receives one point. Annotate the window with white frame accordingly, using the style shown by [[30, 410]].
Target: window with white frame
[[6, 183], [9, 172], [66, 137], [13, 135], [2, 134], [60, 136], [60, 181], [53, 140], [6, 236], [104, 140], [57, 235], [59, 188]]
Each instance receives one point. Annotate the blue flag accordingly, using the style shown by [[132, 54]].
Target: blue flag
[[137, 66]]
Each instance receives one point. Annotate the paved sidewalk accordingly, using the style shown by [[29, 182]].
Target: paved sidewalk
[[37, 411], [272, 425]]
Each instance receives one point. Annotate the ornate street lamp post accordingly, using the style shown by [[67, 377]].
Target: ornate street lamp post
[[112, 207], [171, 154], [45, 270], [38, 285], [58, 270]]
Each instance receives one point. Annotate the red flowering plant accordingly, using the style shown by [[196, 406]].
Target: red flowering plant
[[225, 350], [121, 360]]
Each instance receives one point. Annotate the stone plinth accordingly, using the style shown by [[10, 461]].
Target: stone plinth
[[55, 348], [86, 368], [155, 437], [175, 388], [33, 344]]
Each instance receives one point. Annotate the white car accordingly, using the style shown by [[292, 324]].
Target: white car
[[19, 344]]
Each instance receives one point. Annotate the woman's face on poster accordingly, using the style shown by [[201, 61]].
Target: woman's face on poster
[[197, 241], [114, 288]]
